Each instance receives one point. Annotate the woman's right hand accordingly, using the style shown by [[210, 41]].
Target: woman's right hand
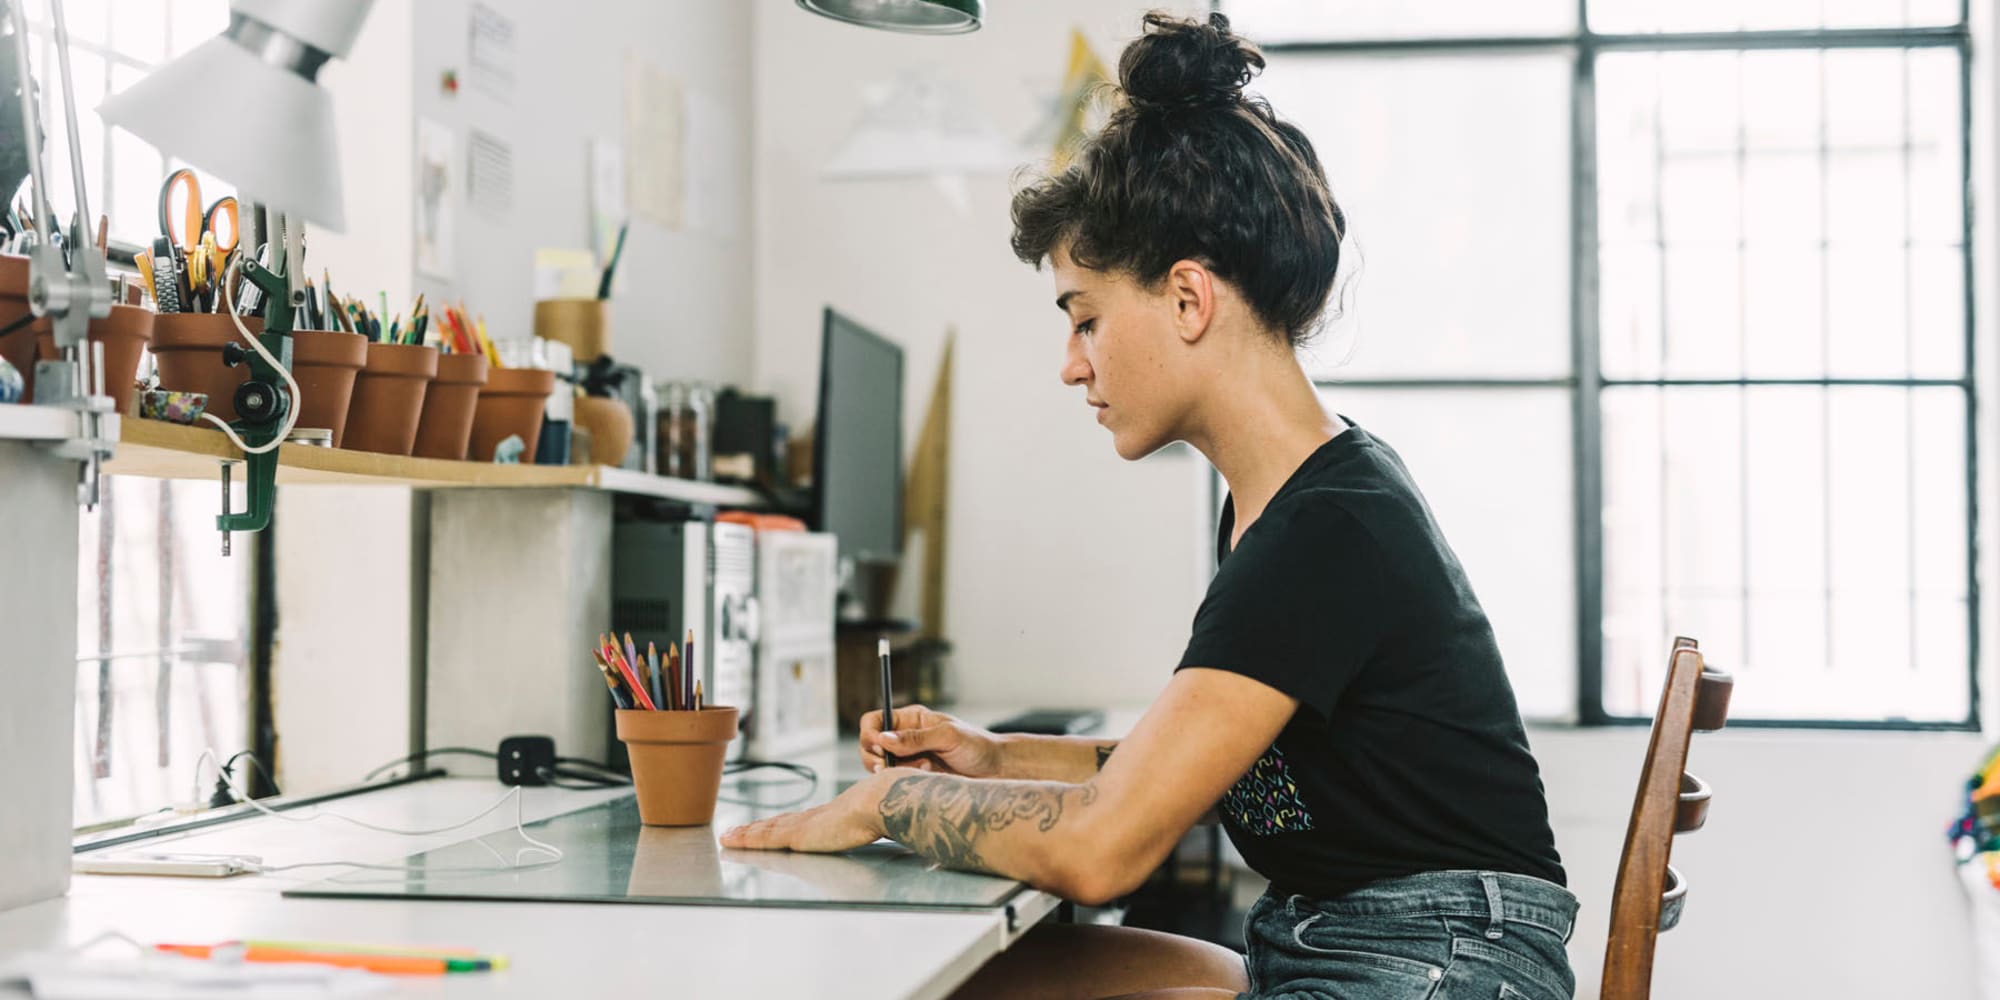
[[931, 741]]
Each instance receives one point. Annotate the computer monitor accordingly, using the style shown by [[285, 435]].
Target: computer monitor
[[858, 445]]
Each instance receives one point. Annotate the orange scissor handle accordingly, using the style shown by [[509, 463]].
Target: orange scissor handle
[[224, 207], [190, 232]]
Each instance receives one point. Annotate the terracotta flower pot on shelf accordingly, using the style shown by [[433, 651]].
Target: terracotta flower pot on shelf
[[388, 398], [445, 428], [18, 346], [187, 348], [510, 404], [326, 363], [124, 334]]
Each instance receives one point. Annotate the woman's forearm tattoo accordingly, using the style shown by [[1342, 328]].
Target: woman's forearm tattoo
[[943, 817]]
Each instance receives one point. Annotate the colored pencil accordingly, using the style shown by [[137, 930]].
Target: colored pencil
[[653, 669], [674, 674], [631, 679], [618, 697]]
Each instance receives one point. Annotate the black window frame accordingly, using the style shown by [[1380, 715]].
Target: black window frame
[[1587, 382]]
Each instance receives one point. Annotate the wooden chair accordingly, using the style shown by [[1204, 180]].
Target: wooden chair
[[1651, 892]]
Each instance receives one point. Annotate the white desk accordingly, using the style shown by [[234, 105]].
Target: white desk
[[557, 949]]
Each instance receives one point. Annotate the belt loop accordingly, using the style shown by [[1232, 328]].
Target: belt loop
[[1292, 905], [1492, 883]]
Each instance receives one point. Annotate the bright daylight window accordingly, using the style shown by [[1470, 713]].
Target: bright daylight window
[[162, 635], [1698, 271]]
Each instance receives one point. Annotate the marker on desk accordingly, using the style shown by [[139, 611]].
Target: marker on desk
[[888, 703]]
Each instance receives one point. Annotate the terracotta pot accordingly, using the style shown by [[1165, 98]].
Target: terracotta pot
[[677, 762], [610, 425], [510, 402], [583, 324], [187, 347], [124, 334], [388, 398], [17, 347], [445, 429], [325, 363]]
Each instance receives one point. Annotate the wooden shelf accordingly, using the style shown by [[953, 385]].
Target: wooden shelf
[[170, 451]]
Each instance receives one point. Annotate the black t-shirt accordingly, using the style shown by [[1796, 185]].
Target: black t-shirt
[[1407, 752]]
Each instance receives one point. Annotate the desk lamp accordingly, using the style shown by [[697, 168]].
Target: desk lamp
[[915, 17], [277, 145], [66, 282]]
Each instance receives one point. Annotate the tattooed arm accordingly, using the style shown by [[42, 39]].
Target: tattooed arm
[[964, 823], [1091, 840]]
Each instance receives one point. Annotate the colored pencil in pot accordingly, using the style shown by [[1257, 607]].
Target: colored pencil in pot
[[653, 672]]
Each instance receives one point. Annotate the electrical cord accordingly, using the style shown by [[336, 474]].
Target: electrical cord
[[741, 767], [421, 755], [292, 412], [229, 766], [553, 852]]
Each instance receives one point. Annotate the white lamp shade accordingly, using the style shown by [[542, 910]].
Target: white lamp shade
[[273, 137]]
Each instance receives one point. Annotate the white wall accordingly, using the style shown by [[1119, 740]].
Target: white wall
[[1072, 575], [1823, 870], [683, 305], [342, 677]]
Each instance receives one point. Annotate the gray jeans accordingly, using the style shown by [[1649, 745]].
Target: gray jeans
[[1450, 935]]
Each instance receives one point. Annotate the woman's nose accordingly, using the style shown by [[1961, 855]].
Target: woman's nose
[[1076, 367]]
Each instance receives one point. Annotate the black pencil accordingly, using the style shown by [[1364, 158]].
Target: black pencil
[[888, 703]]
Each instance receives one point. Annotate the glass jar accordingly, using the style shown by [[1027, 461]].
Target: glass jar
[[686, 414]]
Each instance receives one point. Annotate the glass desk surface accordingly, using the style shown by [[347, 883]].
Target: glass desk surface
[[609, 856]]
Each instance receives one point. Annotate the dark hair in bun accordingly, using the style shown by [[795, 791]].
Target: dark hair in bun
[[1176, 63], [1191, 168]]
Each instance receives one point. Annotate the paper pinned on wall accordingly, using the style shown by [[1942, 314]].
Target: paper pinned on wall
[[435, 194], [564, 273], [714, 167], [489, 180], [607, 195], [489, 59], [652, 143]]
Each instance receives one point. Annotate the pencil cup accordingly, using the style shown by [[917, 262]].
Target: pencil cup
[[583, 324], [187, 348], [325, 363], [18, 347], [388, 398], [677, 762], [510, 405], [124, 334], [445, 429]]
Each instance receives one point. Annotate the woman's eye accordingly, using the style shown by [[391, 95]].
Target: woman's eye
[[1084, 328]]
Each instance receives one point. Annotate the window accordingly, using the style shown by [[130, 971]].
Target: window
[[163, 630], [1698, 271]]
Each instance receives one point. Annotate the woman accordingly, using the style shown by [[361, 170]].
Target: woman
[[1341, 702]]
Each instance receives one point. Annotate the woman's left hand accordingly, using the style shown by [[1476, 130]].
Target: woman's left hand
[[851, 820]]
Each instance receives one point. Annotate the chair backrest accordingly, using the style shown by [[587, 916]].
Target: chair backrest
[[1650, 892]]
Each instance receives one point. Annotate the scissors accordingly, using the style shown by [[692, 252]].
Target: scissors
[[205, 239]]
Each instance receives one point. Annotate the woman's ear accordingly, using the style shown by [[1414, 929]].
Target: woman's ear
[[1190, 287]]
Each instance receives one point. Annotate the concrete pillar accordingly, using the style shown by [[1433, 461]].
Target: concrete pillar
[[520, 586], [38, 525]]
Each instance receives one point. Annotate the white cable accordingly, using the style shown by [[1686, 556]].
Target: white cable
[[520, 828], [208, 754], [291, 417]]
